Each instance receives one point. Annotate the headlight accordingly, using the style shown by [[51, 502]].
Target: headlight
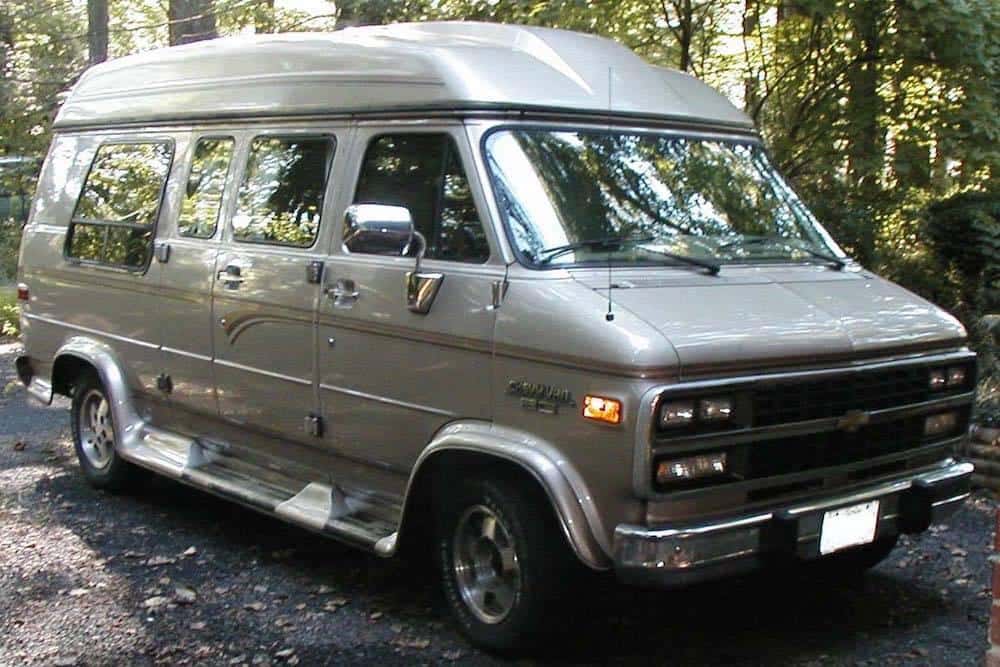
[[951, 377], [941, 424], [938, 379], [677, 413], [691, 468], [714, 410]]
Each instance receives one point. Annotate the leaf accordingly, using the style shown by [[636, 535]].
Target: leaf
[[185, 595]]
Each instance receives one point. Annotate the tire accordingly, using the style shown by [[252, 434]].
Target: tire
[[505, 565], [94, 439], [857, 560]]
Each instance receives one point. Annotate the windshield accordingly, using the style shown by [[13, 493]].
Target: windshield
[[709, 199]]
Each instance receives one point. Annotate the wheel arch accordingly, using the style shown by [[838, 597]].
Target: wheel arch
[[484, 446], [80, 354]]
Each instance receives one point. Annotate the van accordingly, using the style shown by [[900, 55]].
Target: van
[[507, 295]]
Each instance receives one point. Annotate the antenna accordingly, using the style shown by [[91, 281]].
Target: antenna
[[609, 316]]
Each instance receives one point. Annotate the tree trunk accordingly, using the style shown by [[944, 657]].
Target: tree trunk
[[191, 21], [751, 84], [865, 137], [686, 35], [97, 30], [6, 48]]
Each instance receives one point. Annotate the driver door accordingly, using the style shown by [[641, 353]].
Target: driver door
[[391, 376]]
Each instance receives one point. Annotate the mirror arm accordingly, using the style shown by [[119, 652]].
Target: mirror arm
[[420, 252]]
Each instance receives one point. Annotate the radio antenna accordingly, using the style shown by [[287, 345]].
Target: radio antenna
[[609, 316]]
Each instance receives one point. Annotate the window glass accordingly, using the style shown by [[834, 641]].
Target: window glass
[[562, 192], [424, 173], [205, 185], [115, 215], [281, 196]]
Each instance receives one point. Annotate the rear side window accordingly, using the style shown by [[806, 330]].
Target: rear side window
[[281, 196], [116, 214], [205, 185], [423, 172]]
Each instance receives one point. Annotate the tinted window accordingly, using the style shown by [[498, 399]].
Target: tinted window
[[281, 196], [115, 215], [205, 185], [424, 173]]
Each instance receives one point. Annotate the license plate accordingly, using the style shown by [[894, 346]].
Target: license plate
[[848, 527]]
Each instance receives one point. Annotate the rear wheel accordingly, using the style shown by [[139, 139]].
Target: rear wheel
[[504, 562], [94, 438]]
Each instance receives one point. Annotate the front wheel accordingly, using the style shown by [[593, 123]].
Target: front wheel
[[94, 438], [504, 562]]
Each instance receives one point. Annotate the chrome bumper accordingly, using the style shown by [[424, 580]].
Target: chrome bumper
[[687, 554]]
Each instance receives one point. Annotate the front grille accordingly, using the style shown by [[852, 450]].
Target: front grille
[[818, 399], [785, 456], [833, 453]]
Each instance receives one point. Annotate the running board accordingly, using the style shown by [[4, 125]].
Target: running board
[[363, 518]]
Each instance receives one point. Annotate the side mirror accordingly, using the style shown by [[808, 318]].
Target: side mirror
[[377, 229]]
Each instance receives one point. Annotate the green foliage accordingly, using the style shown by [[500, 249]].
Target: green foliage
[[10, 241], [8, 314], [964, 231]]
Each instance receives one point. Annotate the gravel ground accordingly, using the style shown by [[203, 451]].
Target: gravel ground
[[175, 576]]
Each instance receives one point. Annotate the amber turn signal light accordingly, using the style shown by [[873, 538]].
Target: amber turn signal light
[[602, 409]]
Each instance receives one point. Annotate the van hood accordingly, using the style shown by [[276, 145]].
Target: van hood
[[757, 317]]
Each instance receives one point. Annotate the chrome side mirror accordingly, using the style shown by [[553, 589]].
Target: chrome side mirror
[[377, 229], [421, 288]]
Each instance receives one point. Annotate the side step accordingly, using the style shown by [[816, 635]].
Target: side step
[[365, 519]]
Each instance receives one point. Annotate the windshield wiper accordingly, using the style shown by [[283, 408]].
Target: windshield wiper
[[789, 243], [616, 242], [711, 267], [608, 243]]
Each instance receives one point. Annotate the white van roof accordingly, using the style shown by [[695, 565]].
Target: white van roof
[[435, 66]]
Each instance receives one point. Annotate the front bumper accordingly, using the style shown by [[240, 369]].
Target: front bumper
[[677, 556]]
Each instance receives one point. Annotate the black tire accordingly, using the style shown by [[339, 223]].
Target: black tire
[[546, 567], [857, 560], [106, 470]]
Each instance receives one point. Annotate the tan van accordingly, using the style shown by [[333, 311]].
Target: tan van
[[506, 294]]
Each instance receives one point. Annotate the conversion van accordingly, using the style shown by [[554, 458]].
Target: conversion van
[[509, 295]]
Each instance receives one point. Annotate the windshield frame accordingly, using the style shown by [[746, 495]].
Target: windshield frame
[[686, 131]]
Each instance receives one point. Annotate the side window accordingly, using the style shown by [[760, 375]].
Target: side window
[[281, 195], [205, 185], [114, 218], [424, 173]]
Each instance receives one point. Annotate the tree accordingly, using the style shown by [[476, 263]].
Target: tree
[[97, 30], [191, 21]]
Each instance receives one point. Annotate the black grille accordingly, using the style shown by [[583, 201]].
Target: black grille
[[817, 451], [832, 397], [786, 456]]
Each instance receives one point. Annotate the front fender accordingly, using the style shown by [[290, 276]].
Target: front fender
[[566, 490]]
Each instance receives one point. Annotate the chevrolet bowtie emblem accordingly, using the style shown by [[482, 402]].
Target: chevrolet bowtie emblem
[[853, 420]]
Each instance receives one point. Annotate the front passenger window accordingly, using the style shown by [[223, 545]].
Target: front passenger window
[[424, 173]]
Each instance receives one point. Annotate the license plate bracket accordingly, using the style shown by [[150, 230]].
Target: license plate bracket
[[849, 526]]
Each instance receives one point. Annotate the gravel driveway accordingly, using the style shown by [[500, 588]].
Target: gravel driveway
[[172, 575]]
